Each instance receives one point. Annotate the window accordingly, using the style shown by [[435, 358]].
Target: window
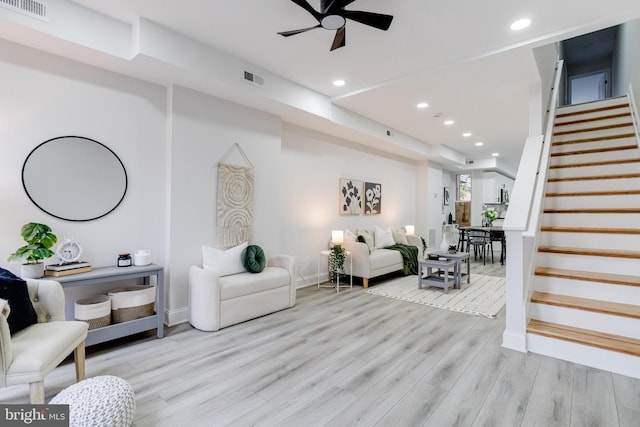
[[463, 187]]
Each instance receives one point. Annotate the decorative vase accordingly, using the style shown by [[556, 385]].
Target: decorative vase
[[32, 270]]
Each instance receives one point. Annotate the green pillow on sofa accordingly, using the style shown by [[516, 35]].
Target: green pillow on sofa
[[254, 259]]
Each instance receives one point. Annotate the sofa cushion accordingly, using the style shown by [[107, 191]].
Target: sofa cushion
[[384, 238], [237, 285], [400, 236], [368, 237], [349, 236], [224, 262], [253, 259], [383, 258], [15, 291]]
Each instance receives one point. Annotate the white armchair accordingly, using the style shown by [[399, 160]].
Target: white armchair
[[30, 354]]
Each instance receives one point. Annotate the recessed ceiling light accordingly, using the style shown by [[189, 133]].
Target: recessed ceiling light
[[495, 154], [422, 105], [466, 134], [339, 83], [449, 122], [479, 144], [521, 24]]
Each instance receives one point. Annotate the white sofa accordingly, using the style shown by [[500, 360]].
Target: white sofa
[[219, 301], [370, 261]]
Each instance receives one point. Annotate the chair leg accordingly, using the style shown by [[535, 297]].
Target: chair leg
[[36, 393], [79, 357]]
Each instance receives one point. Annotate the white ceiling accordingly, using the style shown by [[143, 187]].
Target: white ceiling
[[459, 56]]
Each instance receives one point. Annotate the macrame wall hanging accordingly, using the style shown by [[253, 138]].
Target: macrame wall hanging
[[235, 201]]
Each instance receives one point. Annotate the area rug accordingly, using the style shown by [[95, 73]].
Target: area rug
[[485, 296]]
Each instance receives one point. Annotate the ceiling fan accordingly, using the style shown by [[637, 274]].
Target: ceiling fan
[[333, 16]]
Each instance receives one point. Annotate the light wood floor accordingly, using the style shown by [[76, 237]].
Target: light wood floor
[[353, 359]]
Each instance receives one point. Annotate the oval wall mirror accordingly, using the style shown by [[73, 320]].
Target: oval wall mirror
[[74, 178]]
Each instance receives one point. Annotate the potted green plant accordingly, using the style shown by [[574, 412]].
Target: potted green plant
[[337, 256], [40, 239]]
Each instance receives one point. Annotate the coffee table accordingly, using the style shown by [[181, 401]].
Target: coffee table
[[432, 279], [459, 257]]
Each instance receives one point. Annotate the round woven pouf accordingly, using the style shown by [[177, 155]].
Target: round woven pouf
[[99, 401]]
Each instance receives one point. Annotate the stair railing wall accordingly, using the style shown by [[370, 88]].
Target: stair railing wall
[[634, 114], [522, 223]]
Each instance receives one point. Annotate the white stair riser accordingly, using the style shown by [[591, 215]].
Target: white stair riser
[[590, 240], [594, 157], [593, 115], [577, 202], [594, 170], [611, 361], [591, 220], [627, 266], [593, 134], [622, 294], [618, 101], [559, 127], [609, 324], [593, 185], [592, 145]]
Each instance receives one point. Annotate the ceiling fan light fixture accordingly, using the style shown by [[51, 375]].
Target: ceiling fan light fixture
[[332, 22], [521, 24]]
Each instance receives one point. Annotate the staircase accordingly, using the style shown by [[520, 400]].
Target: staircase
[[585, 305]]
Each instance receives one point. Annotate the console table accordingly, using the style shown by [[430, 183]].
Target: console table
[[97, 278]]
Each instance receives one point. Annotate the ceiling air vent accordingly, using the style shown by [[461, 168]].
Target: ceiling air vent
[[254, 79], [30, 8]]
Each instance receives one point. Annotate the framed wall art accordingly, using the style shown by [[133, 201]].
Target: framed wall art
[[372, 198], [350, 197], [446, 195]]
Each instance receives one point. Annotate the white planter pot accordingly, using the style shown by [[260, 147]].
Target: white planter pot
[[32, 271]]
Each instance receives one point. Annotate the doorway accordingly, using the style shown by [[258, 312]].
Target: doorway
[[589, 87]]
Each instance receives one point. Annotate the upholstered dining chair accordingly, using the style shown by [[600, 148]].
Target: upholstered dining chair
[[28, 355], [480, 240]]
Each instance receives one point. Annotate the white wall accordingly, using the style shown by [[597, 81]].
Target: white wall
[[627, 60], [311, 166], [43, 96]]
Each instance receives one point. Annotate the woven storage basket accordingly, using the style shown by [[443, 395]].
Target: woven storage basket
[[132, 302], [96, 311]]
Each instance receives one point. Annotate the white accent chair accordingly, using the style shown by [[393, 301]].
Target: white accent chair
[[32, 353], [219, 301]]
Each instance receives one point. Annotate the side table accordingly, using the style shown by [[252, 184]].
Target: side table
[[324, 254], [435, 279]]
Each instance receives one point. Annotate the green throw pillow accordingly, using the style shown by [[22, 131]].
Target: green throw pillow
[[253, 259]]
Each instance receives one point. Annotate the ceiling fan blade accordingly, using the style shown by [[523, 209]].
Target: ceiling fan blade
[[376, 20], [340, 39], [306, 6], [294, 32], [329, 7]]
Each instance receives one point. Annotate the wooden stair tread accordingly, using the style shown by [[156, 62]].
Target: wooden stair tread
[[594, 129], [586, 304], [613, 279], [596, 230], [600, 163], [595, 177], [596, 138], [594, 193], [612, 253], [594, 119], [560, 114], [593, 211], [596, 339], [596, 150]]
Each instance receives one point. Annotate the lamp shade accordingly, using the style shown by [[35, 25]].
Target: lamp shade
[[410, 229], [337, 237]]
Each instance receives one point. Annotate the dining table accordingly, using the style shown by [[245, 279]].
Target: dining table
[[496, 234]]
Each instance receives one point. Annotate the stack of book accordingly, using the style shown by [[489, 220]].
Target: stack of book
[[66, 269]]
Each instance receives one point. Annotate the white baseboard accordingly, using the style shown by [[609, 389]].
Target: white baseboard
[[176, 317], [512, 341]]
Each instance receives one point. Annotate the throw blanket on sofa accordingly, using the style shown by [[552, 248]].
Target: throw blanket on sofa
[[409, 257]]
